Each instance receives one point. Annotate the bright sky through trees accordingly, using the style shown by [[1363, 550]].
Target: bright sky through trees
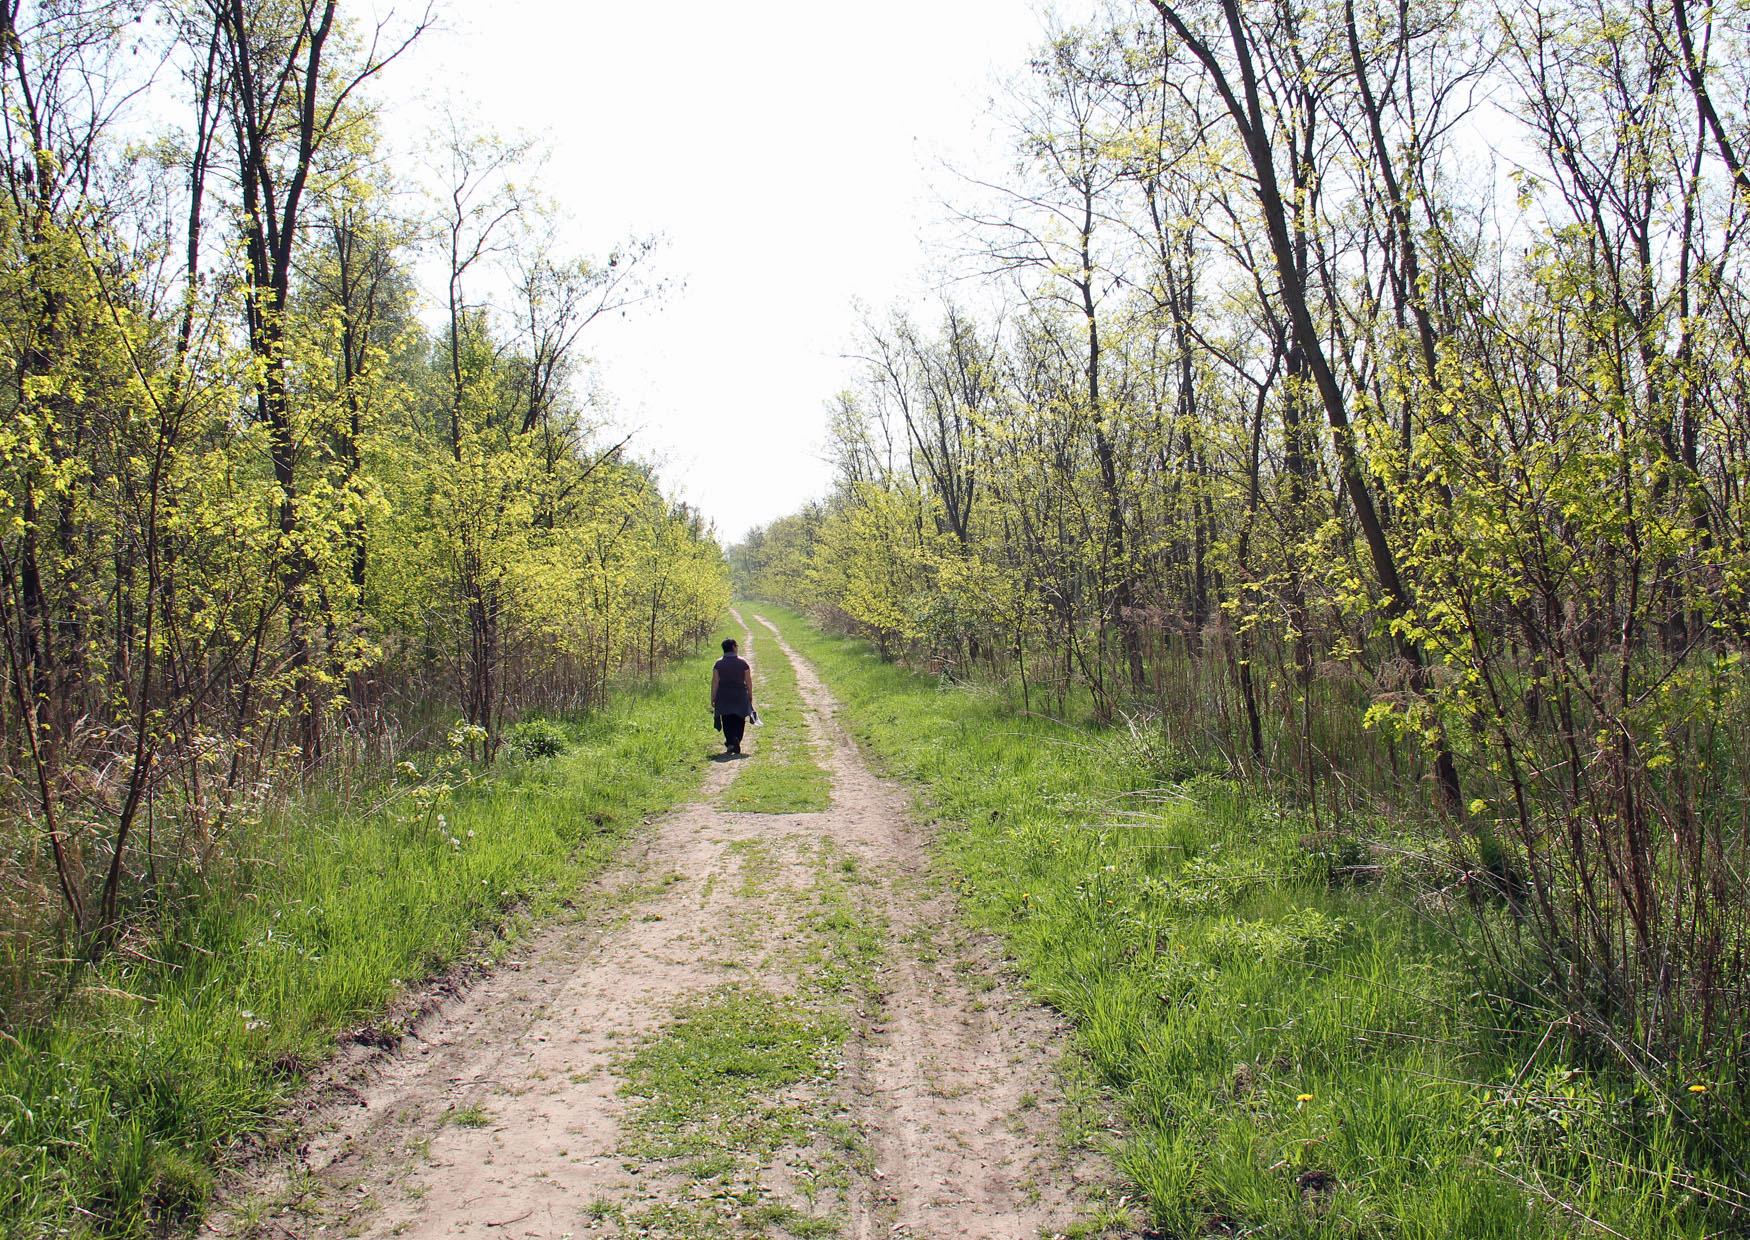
[[790, 154]]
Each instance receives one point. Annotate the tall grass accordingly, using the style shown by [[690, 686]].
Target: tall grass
[[1305, 1039], [188, 1039]]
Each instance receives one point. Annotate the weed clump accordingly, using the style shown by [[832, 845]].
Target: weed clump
[[535, 739], [1143, 747]]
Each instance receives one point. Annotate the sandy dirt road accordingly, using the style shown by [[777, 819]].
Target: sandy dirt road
[[722, 952]]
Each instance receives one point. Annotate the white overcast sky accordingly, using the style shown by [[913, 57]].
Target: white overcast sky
[[791, 156]]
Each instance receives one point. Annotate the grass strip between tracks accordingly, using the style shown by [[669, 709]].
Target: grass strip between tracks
[[738, 1087], [782, 774]]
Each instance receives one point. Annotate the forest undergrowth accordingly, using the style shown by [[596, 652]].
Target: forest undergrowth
[[183, 1046], [1305, 1034]]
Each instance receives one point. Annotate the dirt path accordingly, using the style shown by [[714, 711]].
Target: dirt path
[[757, 1024]]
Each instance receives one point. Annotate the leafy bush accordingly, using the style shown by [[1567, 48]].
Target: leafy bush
[[533, 739]]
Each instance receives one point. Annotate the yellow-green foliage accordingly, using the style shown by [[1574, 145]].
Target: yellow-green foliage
[[237, 537], [264, 531], [1407, 518]]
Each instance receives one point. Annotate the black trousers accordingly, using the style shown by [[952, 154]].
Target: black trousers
[[733, 727]]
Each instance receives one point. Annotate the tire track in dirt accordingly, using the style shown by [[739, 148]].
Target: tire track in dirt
[[502, 1112], [953, 1081]]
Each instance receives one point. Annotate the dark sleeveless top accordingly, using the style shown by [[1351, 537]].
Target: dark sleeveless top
[[732, 695]]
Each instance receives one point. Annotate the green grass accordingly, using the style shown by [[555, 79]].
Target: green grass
[[469, 1117], [113, 1113], [782, 774], [1293, 1054], [709, 1086]]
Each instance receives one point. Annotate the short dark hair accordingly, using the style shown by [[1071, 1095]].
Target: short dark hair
[[728, 645]]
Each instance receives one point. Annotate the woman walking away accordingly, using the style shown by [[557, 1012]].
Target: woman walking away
[[731, 695]]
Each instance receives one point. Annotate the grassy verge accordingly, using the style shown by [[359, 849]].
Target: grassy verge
[[782, 774], [190, 1039], [1298, 1049]]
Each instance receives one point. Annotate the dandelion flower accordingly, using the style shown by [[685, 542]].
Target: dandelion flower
[[1698, 1089], [1303, 1097]]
